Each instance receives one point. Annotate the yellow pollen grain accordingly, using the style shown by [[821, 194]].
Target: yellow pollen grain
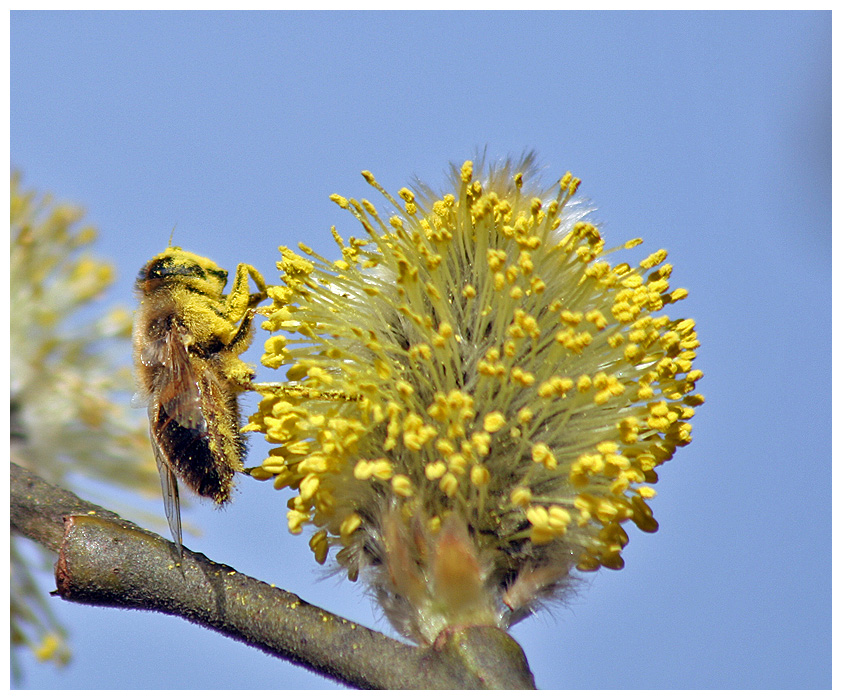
[[496, 259], [539, 451], [295, 519], [422, 351], [402, 486], [645, 392], [597, 318], [457, 464], [538, 516], [340, 200], [381, 469], [435, 470], [519, 376], [445, 447], [350, 525], [433, 291], [633, 353], [481, 442], [521, 496], [524, 415], [493, 422], [480, 476], [607, 447], [319, 546], [449, 484], [309, 486], [558, 518], [49, 646]]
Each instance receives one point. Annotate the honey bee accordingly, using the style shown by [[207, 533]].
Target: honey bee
[[188, 336]]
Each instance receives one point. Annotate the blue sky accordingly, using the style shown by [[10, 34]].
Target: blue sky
[[706, 134]]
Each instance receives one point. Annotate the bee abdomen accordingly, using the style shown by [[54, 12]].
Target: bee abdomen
[[201, 458]]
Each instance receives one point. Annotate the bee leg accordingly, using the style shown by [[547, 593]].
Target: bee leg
[[242, 339], [261, 294], [239, 300], [237, 371]]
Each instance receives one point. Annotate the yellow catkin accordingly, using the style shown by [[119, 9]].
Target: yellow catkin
[[490, 395]]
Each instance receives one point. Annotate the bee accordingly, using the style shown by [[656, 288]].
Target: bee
[[188, 335]]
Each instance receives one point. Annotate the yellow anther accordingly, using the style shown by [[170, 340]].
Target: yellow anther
[[480, 476], [401, 485], [493, 422], [449, 484], [350, 525], [435, 470]]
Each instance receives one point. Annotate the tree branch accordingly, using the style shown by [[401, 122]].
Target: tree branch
[[105, 560]]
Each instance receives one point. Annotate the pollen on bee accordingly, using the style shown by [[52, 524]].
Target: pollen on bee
[[188, 336]]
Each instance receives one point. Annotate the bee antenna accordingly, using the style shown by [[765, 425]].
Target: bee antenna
[[169, 245]]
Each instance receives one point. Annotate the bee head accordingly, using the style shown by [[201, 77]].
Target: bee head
[[176, 266]]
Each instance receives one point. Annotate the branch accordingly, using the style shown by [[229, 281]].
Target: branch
[[105, 560]]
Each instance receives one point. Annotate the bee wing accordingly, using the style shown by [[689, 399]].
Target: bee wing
[[176, 385], [175, 397], [169, 489]]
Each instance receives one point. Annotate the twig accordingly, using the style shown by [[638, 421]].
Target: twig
[[105, 560]]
